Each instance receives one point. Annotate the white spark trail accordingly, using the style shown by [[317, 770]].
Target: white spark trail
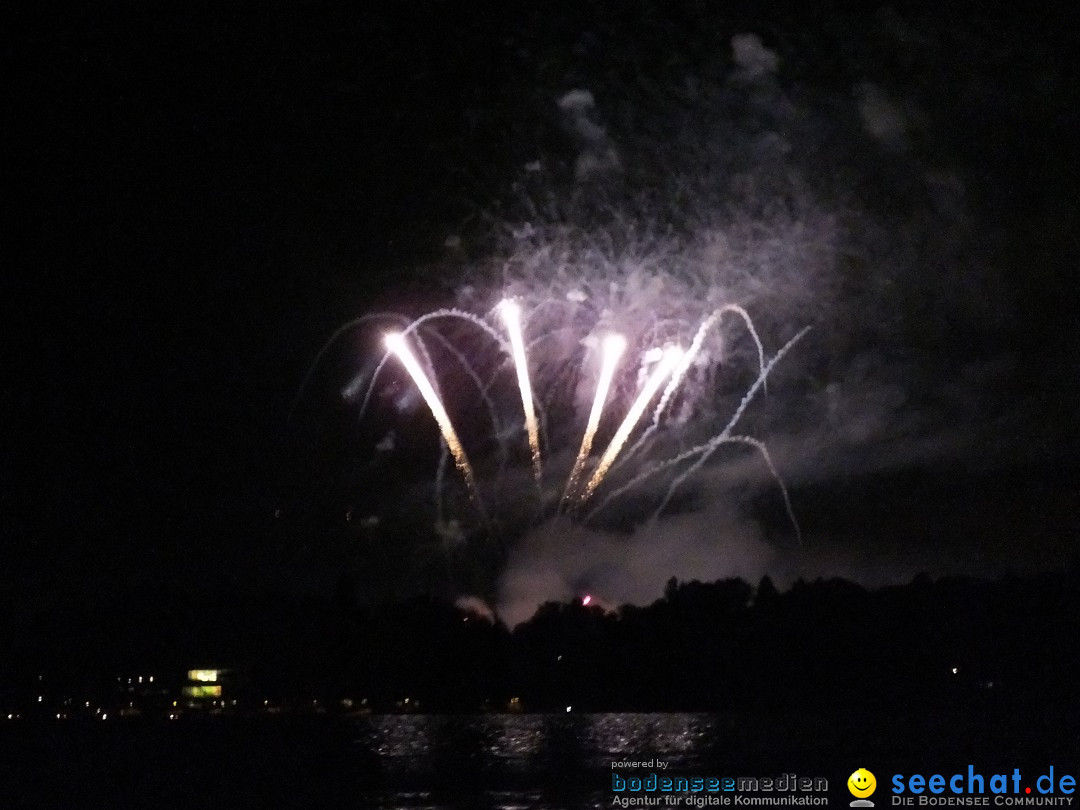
[[660, 373], [511, 313], [684, 366], [613, 348], [412, 327], [481, 387], [725, 435], [702, 448], [341, 330], [396, 343]]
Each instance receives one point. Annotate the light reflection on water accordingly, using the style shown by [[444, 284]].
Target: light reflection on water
[[520, 762]]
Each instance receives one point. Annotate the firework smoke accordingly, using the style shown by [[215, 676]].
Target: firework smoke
[[660, 211]]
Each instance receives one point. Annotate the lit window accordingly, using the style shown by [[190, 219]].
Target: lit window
[[210, 690]]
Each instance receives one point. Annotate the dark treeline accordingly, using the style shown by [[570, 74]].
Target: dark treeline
[[702, 646]]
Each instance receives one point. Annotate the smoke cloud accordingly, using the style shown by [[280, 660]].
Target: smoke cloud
[[559, 560]]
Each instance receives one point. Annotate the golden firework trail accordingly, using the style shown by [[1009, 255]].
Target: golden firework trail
[[613, 347], [511, 313], [397, 344], [663, 369]]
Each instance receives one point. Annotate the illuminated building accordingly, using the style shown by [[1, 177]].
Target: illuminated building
[[206, 685]]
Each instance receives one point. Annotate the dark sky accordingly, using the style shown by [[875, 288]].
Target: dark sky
[[198, 199]]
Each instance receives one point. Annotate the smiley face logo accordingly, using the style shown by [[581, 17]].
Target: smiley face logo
[[861, 783]]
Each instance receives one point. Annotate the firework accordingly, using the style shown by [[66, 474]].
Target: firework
[[614, 346], [396, 343], [666, 365], [511, 313], [725, 437], [702, 452], [684, 366], [454, 314], [663, 370]]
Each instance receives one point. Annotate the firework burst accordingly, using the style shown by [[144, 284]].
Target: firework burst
[[479, 351]]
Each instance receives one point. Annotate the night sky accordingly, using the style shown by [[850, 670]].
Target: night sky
[[198, 199]]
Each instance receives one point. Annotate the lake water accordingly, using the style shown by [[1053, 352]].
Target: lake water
[[525, 761], [508, 762]]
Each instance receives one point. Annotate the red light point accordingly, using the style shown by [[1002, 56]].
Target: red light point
[[1027, 790]]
